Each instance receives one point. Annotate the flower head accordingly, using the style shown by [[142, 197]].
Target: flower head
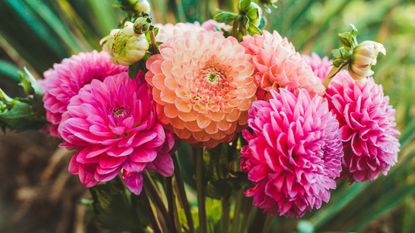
[[320, 66], [64, 80], [113, 126], [294, 152], [168, 31], [203, 86], [279, 65], [125, 46], [364, 57], [368, 126]]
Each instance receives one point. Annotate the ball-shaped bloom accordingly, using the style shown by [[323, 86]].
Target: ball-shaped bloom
[[113, 127], [293, 152], [64, 80], [203, 86], [279, 65], [320, 66], [167, 31], [368, 125]]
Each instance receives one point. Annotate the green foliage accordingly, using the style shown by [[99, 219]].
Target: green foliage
[[41, 32]]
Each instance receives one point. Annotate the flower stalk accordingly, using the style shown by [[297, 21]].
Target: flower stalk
[[200, 186]]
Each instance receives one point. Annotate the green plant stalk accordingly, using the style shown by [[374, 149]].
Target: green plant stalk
[[225, 214], [182, 194], [258, 222], [200, 185], [171, 202], [153, 219], [153, 195], [237, 212]]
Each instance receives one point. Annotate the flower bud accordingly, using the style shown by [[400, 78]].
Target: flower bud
[[254, 13], [125, 46], [364, 57], [141, 25], [142, 6]]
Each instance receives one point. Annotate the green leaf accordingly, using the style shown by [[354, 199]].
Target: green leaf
[[225, 17], [29, 83], [243, 5], [9, 70]]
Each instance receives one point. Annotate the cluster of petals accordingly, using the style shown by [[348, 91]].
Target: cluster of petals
[[203, 86], [64, 80], [113, 127], [167, 31], [320, 66], [278, 65], [368, 125], [293, 152]]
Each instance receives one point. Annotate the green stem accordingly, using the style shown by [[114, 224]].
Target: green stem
[[258, 222], [154, 42], [182, 194], [225, 214], [334, 70], [153, 219], [200, 185], [153, 195], [170, 202], [237, 214]]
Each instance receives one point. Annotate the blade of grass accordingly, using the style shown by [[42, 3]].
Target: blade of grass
[[9, 70]]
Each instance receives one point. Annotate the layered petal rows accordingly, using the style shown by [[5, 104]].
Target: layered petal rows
[[294, 152], [203, 86], [64, 80], [277, 64], [112, 125], [368, 125]]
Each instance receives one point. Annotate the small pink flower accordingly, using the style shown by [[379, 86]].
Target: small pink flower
[[278, 65], [112, 124], [294, 152], [320, 66], [368, 125], [64, 80]]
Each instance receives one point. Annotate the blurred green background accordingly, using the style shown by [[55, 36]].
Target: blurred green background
[[38, 33]]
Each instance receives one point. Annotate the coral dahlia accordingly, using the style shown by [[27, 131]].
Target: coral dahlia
[[367, 121], [113, 126], [294, 152], [203, 86], [64, 80], [320, 66], [279, 65]]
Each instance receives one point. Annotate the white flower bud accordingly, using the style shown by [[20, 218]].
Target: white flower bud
[[364, 57], [255, 13], [125, 46], [142, 6]]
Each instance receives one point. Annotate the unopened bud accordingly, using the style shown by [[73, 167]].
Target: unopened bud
[[141, 25], [254, 13], [125, 46], [142, 6], [364, 57]]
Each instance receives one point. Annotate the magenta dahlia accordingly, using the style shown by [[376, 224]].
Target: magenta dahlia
[[64, 80], [112, 124], [294, 152], [320, 66], [367, 121]]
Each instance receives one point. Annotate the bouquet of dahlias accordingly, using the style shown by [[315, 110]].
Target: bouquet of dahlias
[[168, 119]]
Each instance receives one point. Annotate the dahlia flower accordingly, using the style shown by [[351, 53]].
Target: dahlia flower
[[294, 152], [167, 31], [279, 65], [64, 80], [367, 121], [112, 125], [203, 86], [320, 66]]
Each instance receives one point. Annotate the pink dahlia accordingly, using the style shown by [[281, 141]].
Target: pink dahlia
[[279, 65], [112, 125], [367, 121], [294, 152], [320, 66], [167, 31], [203, 86], [64, 80]]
